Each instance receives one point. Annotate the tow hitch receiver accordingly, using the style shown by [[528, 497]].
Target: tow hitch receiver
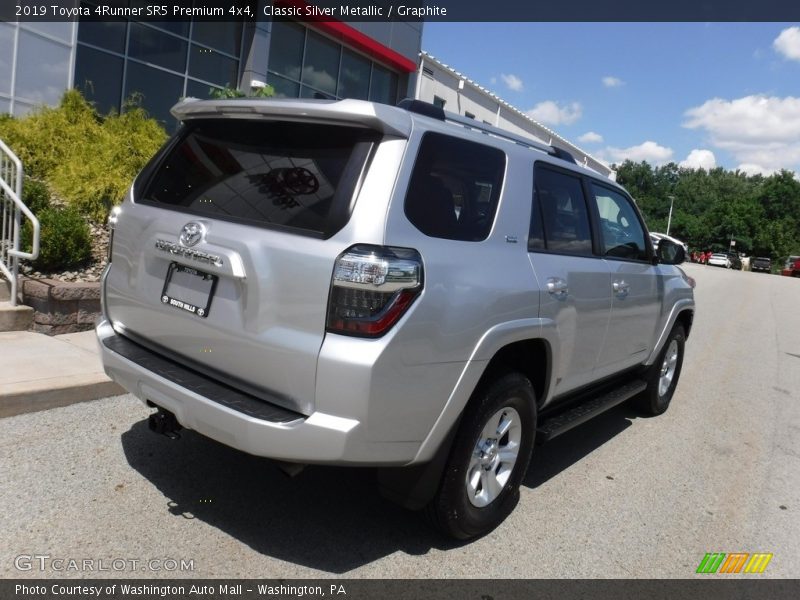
[[165, 423]]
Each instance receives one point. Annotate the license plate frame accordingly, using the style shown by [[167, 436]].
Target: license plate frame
[[189, 289]]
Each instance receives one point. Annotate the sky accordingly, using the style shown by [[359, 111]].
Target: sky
[[702, 95]]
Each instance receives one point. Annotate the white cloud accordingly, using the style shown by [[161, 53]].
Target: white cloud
[[650, 151], [590, 137], [751, 169], [699, 159], [788, 43], [610, 82], [550, 113], [512, 82], [759, 131]]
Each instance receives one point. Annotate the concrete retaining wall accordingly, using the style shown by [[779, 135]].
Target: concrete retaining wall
[[61, 307]]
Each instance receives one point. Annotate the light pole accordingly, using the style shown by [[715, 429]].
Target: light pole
[[669, 219]]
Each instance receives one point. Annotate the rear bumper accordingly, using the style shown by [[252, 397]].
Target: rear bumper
[[268, 430]]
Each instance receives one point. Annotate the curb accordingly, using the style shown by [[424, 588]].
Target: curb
[[40, 372], [71, 390]]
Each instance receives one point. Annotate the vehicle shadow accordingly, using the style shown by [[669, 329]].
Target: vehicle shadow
[[569, 448], [327, 518]]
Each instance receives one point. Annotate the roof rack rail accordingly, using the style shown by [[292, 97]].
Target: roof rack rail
[[513, 137], [436, 112]]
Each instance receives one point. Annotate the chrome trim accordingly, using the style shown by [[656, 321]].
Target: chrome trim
[[198, 255]]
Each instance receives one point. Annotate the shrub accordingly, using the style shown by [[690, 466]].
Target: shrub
[[64, 240], [88, 161], [98, 176], [47, 136], [35, 195]]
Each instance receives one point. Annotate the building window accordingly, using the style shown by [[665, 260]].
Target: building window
[[39, 60], [159, 89], [286, 49], [99, 77], [354, 76], [439, 102], [156, 47], [213, 66], [384, 86], [468, 114], [306, 64], [160, 62], [321, 65]]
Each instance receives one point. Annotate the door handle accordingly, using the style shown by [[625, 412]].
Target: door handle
[[557, 287], [621, 288]]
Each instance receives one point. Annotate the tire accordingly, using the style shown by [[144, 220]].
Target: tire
[[480, 485], [662, 376]]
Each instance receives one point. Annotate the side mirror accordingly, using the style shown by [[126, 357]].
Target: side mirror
[[670, 253]]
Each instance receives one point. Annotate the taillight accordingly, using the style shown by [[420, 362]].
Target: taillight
[[371, 288]]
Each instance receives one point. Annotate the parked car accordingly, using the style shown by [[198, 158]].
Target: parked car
[[761, 264], [720, 259], [351, 283], [792, 267], [735, 260]]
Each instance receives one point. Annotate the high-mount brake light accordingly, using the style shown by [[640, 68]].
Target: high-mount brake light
[[371, 288]]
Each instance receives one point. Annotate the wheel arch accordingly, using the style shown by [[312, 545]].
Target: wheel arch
[[531, 357], [685, 318], [413, 486]]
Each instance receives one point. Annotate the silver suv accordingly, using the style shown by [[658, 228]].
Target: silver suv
[[352, 283]]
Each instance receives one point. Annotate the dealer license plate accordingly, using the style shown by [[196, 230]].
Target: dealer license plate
[[189, 289]]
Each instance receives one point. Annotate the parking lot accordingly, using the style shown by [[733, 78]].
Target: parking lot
[[621, 496]]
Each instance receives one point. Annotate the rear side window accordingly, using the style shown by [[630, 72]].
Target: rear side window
[[294, 176], [455, 188], [559, 219]]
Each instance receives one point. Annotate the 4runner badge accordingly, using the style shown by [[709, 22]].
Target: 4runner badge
[[192, 233]]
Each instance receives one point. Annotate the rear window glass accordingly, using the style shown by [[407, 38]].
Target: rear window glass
[[455, 188], [296, 176]]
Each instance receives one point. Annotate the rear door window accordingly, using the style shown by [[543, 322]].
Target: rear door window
[[294, 176], [455, 188], [559, 219]]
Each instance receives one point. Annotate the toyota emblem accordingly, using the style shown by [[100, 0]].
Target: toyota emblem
[[192, 233]]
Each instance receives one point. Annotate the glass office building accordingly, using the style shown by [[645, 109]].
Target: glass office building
[[114, 60]]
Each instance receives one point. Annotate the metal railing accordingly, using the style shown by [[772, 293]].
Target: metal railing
[[12, 209]]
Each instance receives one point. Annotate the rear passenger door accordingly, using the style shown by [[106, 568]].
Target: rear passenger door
[[574, 281], [635, 285]]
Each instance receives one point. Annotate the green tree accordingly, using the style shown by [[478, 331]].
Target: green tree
[[761, 213]]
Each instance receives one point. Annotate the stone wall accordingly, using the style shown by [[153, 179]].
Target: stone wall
[[61, 307]]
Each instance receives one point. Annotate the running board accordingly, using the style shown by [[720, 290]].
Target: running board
[[563, 422]]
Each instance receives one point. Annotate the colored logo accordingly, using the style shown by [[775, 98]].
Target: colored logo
[[735, 562]]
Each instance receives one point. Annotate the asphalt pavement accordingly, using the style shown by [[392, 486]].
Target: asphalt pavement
[[621, 496]]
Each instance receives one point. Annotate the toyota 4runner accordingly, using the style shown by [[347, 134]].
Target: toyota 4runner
[[349, 283]]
